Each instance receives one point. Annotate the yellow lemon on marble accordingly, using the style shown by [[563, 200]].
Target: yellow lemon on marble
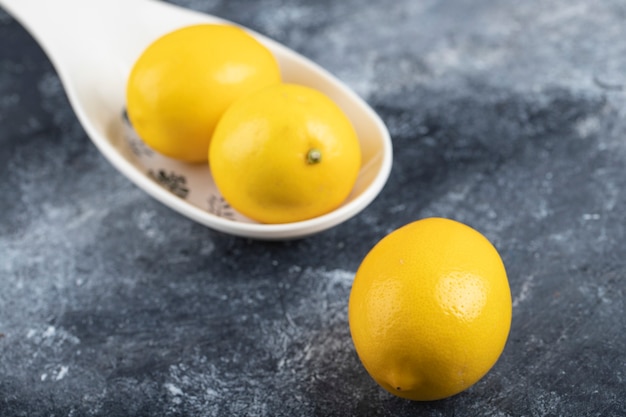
[[284, 154], [181, 84], [430, 309]]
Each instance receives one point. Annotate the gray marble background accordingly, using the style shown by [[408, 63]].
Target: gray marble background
[[508, 116]]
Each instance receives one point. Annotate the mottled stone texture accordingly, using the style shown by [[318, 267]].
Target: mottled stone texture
[[508, 116]]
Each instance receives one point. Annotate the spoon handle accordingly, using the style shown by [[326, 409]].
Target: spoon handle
[[92, 44], [64, 28], [79, 33]]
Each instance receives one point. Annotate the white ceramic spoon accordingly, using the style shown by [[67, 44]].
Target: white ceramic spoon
[[93, 44]]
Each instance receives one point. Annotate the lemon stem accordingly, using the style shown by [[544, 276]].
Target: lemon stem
[[314, 156]]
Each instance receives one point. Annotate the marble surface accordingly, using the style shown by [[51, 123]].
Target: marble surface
[[508, 116]]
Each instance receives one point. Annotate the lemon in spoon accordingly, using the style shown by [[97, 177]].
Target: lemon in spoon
[[181, 84]]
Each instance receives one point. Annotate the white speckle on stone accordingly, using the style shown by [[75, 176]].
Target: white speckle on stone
[[524, 291], [173, 389], [398, 208], [444, 58], [591, 216], [564, 14], [587, 126], [290, 320], [50, 332], [62, 373], [602, 295], [207, 248], [147, 224], [542, 211], [44, 376], [339, 278]]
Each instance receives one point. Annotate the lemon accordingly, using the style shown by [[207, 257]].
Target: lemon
[[181, 84], [430, 309], [285, 153]]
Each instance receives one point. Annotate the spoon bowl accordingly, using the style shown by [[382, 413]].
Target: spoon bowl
[[93, 45]]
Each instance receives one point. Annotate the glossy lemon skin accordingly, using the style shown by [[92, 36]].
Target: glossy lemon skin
[[260, 154], [181, 84], [430, 309]]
